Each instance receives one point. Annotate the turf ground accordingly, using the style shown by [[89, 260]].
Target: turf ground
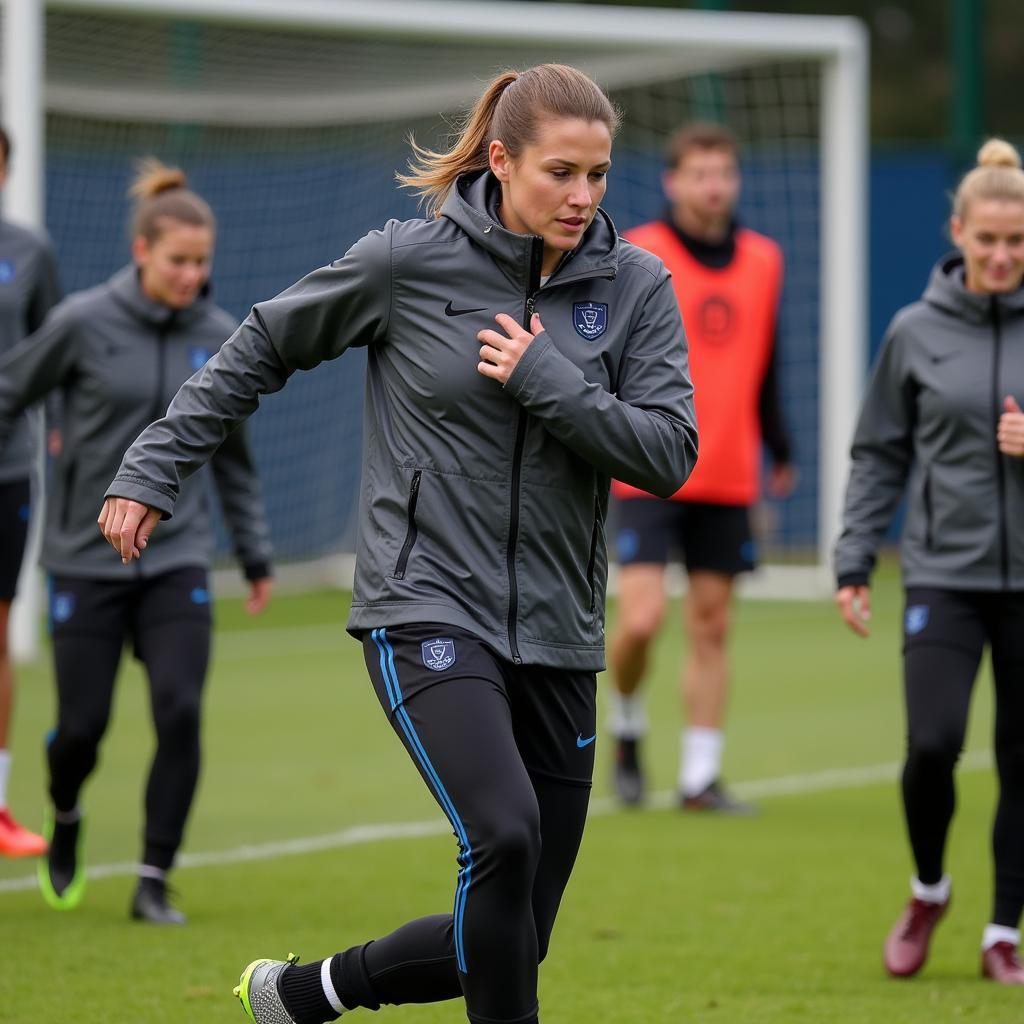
[[771, 920]]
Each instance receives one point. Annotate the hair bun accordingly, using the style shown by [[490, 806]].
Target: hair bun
[[152, 177], [998, 153]]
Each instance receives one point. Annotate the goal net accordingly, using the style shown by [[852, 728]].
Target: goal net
[[291, 119]]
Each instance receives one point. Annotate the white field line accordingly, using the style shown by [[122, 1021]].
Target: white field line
[[358, 835]]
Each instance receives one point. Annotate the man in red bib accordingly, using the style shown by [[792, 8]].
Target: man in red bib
[[728, 281]]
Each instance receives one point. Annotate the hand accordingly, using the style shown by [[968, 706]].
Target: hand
[[499, 355], [127, 525], [259, 595], [782, 480], [855, 607], [1010, 434]]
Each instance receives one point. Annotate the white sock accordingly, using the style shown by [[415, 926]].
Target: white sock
[[628, 719], [5, 769], [999, 933], [148, 871], [700, 758], [937, 893]]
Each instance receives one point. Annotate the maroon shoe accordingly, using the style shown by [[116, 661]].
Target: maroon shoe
[[906, 947], [1001, 963]]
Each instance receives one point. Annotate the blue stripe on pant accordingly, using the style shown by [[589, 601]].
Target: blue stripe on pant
[[394, 689]]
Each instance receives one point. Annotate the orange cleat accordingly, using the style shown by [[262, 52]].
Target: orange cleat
[[16, 840]]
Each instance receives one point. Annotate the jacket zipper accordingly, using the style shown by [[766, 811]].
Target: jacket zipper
[[926, 499], [1004, 546], [69, 483], [159, 408], [533, 285], [410, 536], [591, 564]]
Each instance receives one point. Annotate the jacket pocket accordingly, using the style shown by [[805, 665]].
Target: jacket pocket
[[69, 486], [927, 508], [410, 535], [595, 539]]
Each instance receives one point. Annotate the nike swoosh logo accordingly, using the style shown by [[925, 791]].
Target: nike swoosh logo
[[581, 742], [450, 310]]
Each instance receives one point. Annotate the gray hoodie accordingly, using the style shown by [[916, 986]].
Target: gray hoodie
[[481, 506], [28, 289], [118, 358], [928, 427]]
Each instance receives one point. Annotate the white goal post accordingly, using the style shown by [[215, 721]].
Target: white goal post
[[324, 62]]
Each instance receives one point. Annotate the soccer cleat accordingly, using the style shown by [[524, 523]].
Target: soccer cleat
[[259, 991], [716, 798], [906, 947], [61, 874], [629, 776], [1001, 963], [16, 840], [150, 903]]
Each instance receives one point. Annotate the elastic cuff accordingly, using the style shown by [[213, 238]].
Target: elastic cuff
[[256, 570], [351, 979], [852, 579]]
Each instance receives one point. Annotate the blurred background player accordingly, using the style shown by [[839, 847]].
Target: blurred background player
[[941, 423], [480, 577], [118, 353], [728, 282], [28, 288]]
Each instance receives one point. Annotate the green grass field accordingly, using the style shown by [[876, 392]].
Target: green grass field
[[770, 920]]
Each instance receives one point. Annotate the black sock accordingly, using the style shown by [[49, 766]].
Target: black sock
[[303, 994], [62, 855], [351, 980]]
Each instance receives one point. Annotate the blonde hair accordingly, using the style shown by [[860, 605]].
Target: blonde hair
[[997, 176], [511, 109], [161, 194]]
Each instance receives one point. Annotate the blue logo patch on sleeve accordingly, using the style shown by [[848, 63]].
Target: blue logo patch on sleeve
[[438, 654], [6, 271], [590, 319], [62, 607], [200, 595], [917, 619], [198, 357]]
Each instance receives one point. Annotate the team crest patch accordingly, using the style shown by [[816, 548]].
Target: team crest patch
[[6, 271], [63, 606], [917, 619], [198, 356], [590, 319], [438, 654]]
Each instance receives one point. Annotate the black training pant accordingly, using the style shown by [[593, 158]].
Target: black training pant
[[508, 753], [168, 620], [945, 633]]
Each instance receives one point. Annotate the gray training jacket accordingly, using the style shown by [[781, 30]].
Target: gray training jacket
[[28, 290], [119, 358], [930, 418], [481, 506]]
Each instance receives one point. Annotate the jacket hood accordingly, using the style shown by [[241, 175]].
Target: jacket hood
[[947, 291], [473, 205], [127, 291]]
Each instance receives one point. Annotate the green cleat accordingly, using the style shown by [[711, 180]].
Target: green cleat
[[259, 991], [60, 873]]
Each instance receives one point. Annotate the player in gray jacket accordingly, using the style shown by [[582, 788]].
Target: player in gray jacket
[[28, 288], [117, 354], [519, 355], [941, 422]]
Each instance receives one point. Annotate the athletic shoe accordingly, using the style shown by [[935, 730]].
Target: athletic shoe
[[61, 874], [16, 840], [629, 776], [715, 797], [259, 991], [150, 903], [1001, 963], [906, 947]]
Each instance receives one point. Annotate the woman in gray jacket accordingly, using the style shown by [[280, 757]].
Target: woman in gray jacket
[[117, 354], [520, 354], [941, 422]]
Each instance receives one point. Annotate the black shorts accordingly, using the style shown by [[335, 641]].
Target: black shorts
[[127, 608], [713, 538], [15, 498]]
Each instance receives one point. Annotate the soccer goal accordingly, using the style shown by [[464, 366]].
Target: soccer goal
[[291, 118]]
